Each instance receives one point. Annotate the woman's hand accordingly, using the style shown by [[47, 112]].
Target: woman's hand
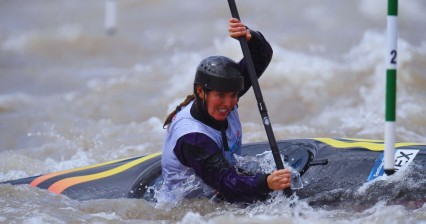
[[237, 29], [279, 179]]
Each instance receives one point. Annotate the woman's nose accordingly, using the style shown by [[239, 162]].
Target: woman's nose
[[229, 101]]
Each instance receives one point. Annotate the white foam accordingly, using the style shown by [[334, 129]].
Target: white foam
[[193, 217], [14, 101], [69, 32], [373, 9], [107, 216], [12, 175], [17, 42]]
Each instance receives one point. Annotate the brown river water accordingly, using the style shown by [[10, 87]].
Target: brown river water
[[72, 95]]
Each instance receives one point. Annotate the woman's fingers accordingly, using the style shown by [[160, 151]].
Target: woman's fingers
[[237, 29], [279, 179]]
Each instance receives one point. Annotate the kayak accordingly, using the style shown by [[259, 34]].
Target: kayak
[[325, 165]]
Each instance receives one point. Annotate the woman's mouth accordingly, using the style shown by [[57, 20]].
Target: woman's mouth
[[223, 110]]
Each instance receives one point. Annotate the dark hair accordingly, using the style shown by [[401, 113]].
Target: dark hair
[[169, 118]]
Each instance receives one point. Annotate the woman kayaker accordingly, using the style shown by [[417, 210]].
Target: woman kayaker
[[204, 132]]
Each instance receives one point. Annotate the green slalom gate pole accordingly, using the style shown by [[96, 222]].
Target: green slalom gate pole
[[391, 65]]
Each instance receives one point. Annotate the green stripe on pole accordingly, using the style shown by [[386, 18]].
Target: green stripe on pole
[[390, 95], [392, 7]]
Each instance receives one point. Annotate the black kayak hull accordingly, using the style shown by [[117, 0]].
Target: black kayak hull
[[326, 164]]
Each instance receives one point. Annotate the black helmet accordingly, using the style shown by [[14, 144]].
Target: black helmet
[[219, 73]]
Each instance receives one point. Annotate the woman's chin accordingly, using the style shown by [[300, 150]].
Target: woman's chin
[[220, 117]]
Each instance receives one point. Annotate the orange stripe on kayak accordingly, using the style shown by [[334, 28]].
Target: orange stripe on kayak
[[61, 185], [45, 177]]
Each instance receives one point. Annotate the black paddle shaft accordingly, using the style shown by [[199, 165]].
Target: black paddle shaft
[[258, 94]]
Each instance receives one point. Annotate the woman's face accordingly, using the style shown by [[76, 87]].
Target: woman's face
[[219, 104]]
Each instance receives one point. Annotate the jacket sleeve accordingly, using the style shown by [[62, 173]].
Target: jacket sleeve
[[261, 54], [201, 153]]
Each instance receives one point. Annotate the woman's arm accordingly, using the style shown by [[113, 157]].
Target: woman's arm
[[260, 50], [201, 153]]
